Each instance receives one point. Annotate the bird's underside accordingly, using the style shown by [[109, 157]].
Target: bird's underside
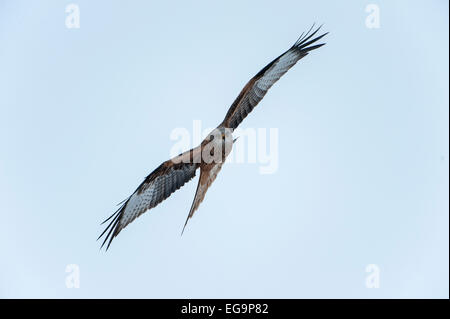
[[212, 152]]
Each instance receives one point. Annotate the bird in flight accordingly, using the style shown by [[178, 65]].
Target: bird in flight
[[213, 150]]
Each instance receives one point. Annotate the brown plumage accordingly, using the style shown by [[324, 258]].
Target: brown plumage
[[210, 155]]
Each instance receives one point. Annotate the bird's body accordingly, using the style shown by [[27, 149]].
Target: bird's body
[[210, 155]]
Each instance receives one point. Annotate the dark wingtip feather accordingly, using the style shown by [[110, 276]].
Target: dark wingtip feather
[[303, 44], [315, 46], [301, 38], [112, 226], [111, 216]]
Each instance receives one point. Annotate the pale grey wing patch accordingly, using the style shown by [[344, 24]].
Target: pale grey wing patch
[[202, 187], [155, 188], [277, 70], [137, 205]]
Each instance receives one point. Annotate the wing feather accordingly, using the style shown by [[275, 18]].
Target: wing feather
[[156, 187], [257, 87]]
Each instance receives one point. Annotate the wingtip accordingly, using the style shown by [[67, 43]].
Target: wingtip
[[304, 37]]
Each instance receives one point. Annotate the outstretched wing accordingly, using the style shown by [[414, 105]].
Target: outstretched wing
[[257, 87], [156, 187], [207, 177]]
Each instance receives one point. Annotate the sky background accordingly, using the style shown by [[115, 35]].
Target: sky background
[[86, 114]]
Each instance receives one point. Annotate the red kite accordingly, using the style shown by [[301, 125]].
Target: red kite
[[212, 152]]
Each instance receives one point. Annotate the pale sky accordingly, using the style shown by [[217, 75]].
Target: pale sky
[[362, 178]]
